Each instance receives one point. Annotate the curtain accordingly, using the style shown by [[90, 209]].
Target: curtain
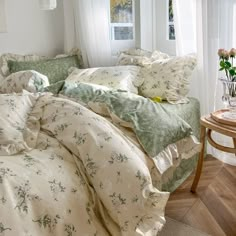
[[87, 28], [204, 26]]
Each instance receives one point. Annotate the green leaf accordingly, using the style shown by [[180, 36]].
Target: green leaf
[[232, 72], [221, 69], [222, 64], [228, 63]]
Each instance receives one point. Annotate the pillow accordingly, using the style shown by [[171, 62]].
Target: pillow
[[125, 59], [4, 58], [139, 57], [125, 78], [18, 127], [29, 80], [134, 56], [157, 55], [137, 52], [4, 69], [169, 78], [54, 69]]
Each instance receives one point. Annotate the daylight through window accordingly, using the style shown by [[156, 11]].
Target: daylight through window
[[171, 28]]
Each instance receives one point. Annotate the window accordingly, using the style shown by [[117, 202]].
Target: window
[[122, 24], [171, 28], [121, 12]]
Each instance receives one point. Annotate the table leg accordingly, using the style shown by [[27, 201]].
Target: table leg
[[200, 160], [234, 140]]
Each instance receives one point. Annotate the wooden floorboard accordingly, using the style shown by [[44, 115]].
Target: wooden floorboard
[[212, 209]]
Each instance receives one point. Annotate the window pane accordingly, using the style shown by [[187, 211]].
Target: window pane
[[171, 28], [121, 11], [171, 15], [171, 32], [123, 33]]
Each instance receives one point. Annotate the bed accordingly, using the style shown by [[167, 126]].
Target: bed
[[81, 159], [190, 112]]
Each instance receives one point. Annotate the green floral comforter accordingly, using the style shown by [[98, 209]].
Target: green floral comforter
[[83, 177], [159, 131]]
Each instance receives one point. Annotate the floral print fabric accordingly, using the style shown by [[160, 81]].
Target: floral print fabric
[[169, 161], [85, 164], [139, 57], [29, 80], [4, 58], [125, 78], [168, 78], [18, 126], [55, 69], [151, 122]]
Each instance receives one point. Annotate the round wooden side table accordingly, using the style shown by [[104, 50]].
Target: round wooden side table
[[207, 126]]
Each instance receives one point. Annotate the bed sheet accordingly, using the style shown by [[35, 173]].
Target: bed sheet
[[176, 175]]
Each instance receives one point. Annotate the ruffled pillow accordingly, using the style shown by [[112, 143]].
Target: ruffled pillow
[[125, 78], [4, 58], [139, 57], [55, 69], [169, 78]]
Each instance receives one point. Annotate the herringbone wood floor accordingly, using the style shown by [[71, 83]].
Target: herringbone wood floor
[[212, 209]]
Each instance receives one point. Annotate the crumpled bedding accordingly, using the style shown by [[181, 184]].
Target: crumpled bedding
[[162, 134], [83, 177]]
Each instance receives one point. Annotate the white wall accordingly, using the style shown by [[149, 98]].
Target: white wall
[[31, 30]]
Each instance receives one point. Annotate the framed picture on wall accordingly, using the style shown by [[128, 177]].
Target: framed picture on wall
[[3, 25]]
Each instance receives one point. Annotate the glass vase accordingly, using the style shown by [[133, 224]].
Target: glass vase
[[229, 97]]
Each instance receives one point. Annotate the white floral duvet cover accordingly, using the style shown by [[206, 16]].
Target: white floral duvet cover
[[84, 177]]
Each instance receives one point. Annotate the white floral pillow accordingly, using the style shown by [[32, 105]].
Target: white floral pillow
[[125, 59], [157, 55], [140, 57], [169, 78], [134, 56], [137, 52], [18, 126], [126, 78], [29, 80]]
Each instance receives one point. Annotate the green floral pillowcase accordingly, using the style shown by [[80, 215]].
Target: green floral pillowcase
[[55, 69]]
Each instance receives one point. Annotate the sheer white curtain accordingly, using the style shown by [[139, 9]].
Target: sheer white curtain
[[196, 25], [87, 28], [204, 26]]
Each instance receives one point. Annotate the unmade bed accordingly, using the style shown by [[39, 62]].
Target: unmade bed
[[87, 155]]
